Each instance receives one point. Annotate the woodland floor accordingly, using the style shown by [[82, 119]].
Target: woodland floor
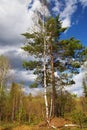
[[57, 122]]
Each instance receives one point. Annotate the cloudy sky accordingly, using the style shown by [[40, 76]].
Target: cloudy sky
[[16, 18]]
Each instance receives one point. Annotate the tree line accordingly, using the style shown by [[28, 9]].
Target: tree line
[[18, 107]]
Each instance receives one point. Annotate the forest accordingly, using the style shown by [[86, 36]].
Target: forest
[[19, 110], [56, 62]]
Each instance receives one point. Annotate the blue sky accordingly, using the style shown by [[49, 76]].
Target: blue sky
[[73, 13], [16, 18], [76, 18], [78, 27]]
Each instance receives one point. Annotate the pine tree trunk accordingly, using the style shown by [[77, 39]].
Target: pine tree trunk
[[54, 95]]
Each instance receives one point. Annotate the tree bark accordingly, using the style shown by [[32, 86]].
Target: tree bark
[[54, 95], [45, 84], [44, 66]]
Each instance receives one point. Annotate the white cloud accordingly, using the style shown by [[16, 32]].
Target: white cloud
[[66, 14], [66, 22], [57, 6], [16, 19], [83, 2], [36, 5], [24, 75], [77, 88], [69, 9]]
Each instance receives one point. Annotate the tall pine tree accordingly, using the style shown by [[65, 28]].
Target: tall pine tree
[[51, 55]]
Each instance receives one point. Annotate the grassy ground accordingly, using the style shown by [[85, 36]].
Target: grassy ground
[[58, 122], [26, 127]]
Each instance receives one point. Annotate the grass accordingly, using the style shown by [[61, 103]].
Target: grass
[[8, 126], [17, 126]]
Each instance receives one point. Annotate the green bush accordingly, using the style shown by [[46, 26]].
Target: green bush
[[78, 117]]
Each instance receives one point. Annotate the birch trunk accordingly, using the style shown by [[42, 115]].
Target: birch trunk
[[44, 66], [45, 85]]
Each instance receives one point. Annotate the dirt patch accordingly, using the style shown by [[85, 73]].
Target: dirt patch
[[0, 128], [59, 122], [55, 123]]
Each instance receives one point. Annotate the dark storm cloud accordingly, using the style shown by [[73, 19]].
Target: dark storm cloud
[[14, 20], [17, 57]]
